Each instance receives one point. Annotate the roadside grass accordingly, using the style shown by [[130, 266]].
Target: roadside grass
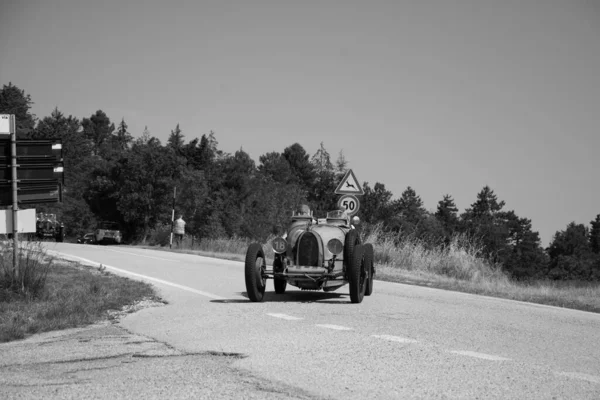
[[72, 295], [458, 266]]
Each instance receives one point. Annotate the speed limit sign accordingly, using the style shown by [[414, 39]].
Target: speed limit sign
[[349, 203]]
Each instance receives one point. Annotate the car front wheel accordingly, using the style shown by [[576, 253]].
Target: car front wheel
[[357, 276], [253, 270]]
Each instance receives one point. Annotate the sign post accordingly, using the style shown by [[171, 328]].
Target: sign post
[[31, 171], [8, 126]]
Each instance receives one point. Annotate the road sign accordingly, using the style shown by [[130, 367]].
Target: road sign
[[31, 193], [25, 221], [349, 185], [5, 124], [349, 203]]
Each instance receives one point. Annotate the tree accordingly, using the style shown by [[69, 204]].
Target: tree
[[301, 167], [123, 138], [198, 153], [595, 235], [99, 130], [408, 212], [14, 101], [376, 204], [276, 166], [145, 186], [341, 166], [447, 214], [524, 257], [570, 254], [483, 220], [175, 140], [322, 195]]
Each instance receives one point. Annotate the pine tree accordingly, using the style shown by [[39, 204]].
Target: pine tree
[[570, 254], [99, 130], [175, 140], [447, 214], [123, 138]]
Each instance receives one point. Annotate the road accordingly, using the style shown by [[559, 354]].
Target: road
[[402, 342]]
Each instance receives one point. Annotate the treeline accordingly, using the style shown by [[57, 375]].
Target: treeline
[[110, 175]]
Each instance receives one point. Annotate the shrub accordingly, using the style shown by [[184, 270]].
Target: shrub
[[29, 276]]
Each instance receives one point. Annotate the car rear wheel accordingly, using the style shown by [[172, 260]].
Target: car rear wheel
[[369, 268], [254, 272], [279, 283], [357, 276]]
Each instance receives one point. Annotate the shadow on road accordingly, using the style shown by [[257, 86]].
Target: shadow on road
[[295, 297]]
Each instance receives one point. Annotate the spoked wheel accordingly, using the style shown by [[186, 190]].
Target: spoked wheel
[[357, 276], [254, 272], [279, 283], [370, 270]]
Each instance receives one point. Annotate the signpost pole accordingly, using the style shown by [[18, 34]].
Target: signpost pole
[[15, 201], [173, 216]]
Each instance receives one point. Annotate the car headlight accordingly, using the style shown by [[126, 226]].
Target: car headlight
[[279, 245], [335, 246]]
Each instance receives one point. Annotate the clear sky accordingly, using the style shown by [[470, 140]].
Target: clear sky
[[444, 96]]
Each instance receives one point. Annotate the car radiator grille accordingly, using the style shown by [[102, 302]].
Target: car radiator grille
[[308, 250]]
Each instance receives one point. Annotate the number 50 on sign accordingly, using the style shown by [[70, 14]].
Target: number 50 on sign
[[349, 203]]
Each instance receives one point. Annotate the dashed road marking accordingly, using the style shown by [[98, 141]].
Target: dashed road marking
[[284, 316], [335, 327], [393, 338], [149, 278], [483, 356], [580, 376]]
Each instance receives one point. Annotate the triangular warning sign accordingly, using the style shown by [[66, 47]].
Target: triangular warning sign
[[349, 185]]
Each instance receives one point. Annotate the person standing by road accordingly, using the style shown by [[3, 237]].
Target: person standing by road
[[179, 230]]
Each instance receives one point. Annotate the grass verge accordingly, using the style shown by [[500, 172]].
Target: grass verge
[[73, 295]]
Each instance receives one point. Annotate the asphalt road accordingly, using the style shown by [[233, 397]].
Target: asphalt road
[[402, 342]]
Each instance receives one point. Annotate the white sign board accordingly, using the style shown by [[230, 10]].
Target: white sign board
[[26, 220], [5, 123], [349, 185]]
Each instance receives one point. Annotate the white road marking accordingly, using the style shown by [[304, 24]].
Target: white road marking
[[483, 356], [285, 316], [149, 278], [392, 338], [142, 255], [581, 376], [335, 327]]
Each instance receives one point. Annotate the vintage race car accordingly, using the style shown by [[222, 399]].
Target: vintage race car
[[323, 254], [48, 227], [108, 232]]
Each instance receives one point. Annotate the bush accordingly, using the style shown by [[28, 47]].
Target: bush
[[29, 277]]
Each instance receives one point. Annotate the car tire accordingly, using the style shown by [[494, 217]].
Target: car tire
[[253, 271], [356, 275], [369, 268], [350, 242], [279, 283]]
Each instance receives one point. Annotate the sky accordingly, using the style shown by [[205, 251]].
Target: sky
[[443, 96]]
